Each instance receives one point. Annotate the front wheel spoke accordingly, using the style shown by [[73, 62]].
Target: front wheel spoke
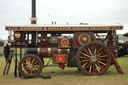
[[25, 68], [27, 62], [34, 69], [31, 71], [24, 64], [102, 63], [37, 66], [28, 59], [33, 60]]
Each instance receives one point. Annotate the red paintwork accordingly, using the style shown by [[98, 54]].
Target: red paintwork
[[60, 59], [44, 49], [61, 65], [64, 43]]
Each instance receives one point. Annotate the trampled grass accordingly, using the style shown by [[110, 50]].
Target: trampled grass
[[68, 76]]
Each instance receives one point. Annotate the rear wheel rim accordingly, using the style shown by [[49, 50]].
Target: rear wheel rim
[[93, 58]]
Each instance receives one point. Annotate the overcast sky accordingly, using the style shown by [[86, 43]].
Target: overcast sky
[[62, 11]]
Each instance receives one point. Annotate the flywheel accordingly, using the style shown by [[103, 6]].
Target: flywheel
[[81, 38]]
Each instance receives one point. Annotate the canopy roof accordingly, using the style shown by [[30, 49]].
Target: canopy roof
[[36, 27]]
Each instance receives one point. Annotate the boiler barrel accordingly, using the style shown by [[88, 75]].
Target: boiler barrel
[[47, 52]]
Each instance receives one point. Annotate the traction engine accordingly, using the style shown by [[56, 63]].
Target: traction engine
[[89, 50]]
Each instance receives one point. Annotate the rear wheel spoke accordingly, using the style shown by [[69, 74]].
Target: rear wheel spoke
[[92, 49], [90, 68], [86, 51], [85, 55], [95, 50], [89, 51], [93, 65], [103, 56], [84, 60], [97, 67], [99, 53], [99, 50], [84, 64], [102, 63]]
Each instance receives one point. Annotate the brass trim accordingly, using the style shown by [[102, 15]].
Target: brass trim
[[62, 41], [68, 50], [87, 36], [17, 35], [49, 52], [54, 39], [64, 47], [38, 51], [59, 50]]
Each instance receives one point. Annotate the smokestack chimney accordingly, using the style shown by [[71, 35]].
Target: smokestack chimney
[[33, 18]]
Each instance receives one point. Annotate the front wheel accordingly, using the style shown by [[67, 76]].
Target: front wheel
[[30, 66], [93, 58]]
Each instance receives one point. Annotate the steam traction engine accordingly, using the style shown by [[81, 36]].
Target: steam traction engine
[[90, 48]]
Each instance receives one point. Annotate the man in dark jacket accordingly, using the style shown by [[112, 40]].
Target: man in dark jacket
[[6, 48]]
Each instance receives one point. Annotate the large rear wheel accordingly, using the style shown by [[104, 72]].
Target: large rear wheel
[[93, 58]]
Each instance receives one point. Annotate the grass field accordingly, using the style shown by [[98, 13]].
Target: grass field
[[68, 76], [1, 49]]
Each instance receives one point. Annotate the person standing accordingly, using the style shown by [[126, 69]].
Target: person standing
[[7, 48]]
